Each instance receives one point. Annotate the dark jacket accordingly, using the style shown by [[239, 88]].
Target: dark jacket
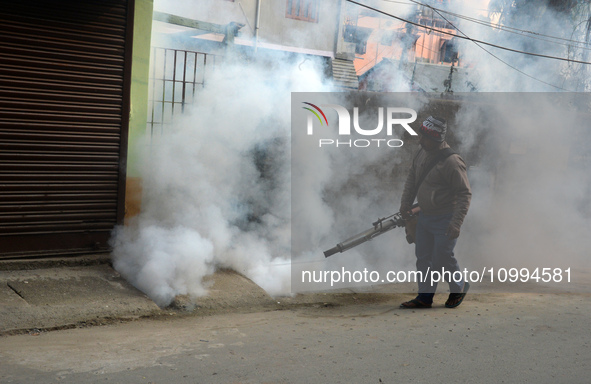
[[445, 189]]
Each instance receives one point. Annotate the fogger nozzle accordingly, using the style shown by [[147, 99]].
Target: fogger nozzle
[[331, 251], [379, 227]]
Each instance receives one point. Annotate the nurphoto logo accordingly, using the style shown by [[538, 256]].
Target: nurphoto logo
[[392, 117]]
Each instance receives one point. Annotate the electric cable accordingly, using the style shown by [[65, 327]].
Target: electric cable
[[475, 41], [493, 55], [469, 38], [506, 28]]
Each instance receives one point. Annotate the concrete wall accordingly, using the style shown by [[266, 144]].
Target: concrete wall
[[276, 29], [139, 100]]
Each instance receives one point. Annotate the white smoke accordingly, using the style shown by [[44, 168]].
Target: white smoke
[[525, 27], [206, 202], [531, 204], [217, 184]]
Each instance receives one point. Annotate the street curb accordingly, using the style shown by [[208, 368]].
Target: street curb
[[22, 264]]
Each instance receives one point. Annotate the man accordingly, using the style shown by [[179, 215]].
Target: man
[[439, 180]]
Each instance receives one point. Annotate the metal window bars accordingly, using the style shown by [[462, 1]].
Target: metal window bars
[[175, 77]]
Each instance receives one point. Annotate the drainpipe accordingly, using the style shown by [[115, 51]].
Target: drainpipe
[[257, 25], [339, 28]]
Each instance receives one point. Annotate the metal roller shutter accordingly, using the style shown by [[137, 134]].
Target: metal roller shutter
[[64, 108]]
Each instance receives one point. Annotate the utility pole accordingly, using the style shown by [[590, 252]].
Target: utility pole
[[447, 83]]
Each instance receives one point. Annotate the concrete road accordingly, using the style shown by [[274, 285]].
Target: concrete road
[[503, 338]]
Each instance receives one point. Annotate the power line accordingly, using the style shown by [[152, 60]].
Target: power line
[[405, 3], [475, 42], [493, 55], [506, 28], [524, 33], [469, 38]]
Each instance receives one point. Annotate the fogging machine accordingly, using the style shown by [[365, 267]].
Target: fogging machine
[[381, 226]]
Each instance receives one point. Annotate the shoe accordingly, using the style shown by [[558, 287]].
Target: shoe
[[455, 299], [414, 303]]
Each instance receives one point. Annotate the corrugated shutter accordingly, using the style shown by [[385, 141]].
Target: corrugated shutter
[[64, 107]]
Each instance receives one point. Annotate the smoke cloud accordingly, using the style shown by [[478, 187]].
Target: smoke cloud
[[216, 186], [218, 191], [531, 191]]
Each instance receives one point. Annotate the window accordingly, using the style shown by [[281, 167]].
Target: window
[[357, 35], [449, 51], [306, 10]]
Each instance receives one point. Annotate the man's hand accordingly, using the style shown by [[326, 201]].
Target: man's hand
[[452, 232], [405, 211]]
